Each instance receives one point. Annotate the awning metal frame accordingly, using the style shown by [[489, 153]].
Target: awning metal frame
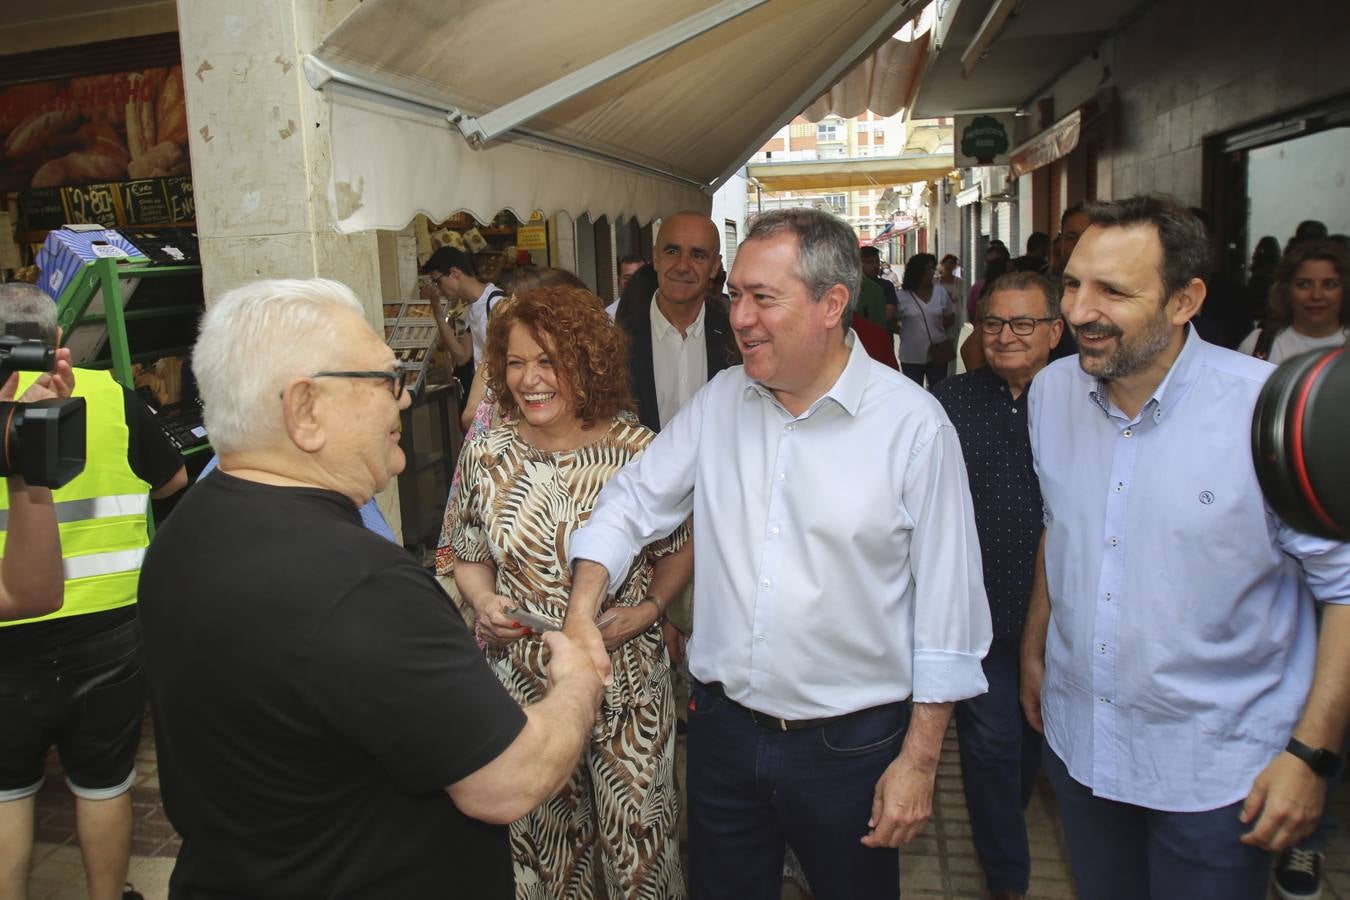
[[324, 76], [510, 116], [884, 26]]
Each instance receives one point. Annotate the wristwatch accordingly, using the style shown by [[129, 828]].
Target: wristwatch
[[1323, 762]]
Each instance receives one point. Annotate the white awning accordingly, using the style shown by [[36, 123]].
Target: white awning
[[849, 174], [583, 106]]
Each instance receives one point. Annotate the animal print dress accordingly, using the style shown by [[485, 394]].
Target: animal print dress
[[617, 818]]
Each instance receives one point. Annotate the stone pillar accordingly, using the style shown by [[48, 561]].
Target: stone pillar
[[259, 145], [259, 141]]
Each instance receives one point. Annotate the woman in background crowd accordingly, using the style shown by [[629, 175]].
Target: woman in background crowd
[[1261, 275], [1307, 303], [925, 315], [558, 366], [954, 286]]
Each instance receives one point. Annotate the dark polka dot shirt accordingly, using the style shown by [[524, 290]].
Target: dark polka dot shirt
[[1007, 497]]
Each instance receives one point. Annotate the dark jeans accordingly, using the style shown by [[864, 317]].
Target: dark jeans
[[752, 789], [1000, 756], [1118, 851], [917, 372]]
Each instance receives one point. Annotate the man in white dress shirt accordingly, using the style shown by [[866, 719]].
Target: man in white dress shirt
[[837, 577], [677, 341]]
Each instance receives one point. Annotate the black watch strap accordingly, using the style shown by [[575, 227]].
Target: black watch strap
[[1323, 762]]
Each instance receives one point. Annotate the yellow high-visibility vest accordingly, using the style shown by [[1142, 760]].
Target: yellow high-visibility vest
[[103, 513]]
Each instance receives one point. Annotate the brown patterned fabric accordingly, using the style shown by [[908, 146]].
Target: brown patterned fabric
[[612, 830]]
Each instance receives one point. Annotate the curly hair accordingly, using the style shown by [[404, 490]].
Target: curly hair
[[1281, 314], [589, 352]]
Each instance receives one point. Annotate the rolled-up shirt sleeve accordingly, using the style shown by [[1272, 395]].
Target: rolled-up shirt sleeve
[[952, 628], [647, 500], [1325, 563]]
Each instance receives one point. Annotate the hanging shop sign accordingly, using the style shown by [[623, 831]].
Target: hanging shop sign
[[983, 140], [532, 237]]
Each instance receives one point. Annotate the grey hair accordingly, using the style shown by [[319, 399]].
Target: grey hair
[[1021, 281], [254, 339], [827, 249], [23, 304]]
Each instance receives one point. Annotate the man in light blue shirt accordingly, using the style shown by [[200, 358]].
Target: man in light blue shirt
[[837, 576], [1170, 648]]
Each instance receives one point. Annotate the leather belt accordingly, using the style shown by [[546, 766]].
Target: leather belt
[[773, 723]]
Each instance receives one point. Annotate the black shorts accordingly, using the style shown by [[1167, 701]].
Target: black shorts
[[87, 698]]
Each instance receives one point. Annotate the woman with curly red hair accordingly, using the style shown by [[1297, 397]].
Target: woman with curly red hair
[[558, 367]]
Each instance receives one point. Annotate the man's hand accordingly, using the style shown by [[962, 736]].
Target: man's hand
[[586, 636], [495, 624], [1033, 677], [569, 664], [54, 385], [1285, 802], [674, 639], [902, 803], [627, 622]]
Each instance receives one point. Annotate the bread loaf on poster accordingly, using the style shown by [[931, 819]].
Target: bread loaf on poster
[[40, 132], [165, 158], [81, 167], [171, 109]]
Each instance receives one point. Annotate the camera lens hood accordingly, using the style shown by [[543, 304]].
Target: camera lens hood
[[1301, 442]]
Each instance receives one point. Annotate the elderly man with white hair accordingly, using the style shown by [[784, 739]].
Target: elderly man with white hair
[[316, 696]]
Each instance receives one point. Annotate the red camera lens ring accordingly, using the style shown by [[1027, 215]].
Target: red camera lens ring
[[1299, 463]]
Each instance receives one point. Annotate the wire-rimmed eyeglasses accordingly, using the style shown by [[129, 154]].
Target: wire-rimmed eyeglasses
[[1020, 325]]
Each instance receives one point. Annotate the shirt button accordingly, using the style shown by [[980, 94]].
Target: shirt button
[[774, 530], [1114, 542], [792, 427], [782, 476], [759, 639], [1120, 485], [766, 582], [1128, 432], [1108, 596]]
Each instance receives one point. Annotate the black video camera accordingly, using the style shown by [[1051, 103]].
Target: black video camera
[[41, 441], [1300, 439]]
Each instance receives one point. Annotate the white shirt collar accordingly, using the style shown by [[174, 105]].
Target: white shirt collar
[[662, 329]]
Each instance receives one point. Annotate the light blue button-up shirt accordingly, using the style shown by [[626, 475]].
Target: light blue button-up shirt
[[1181, 643], [836, 561]]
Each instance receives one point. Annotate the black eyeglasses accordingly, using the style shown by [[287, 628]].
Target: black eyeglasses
[[393, 376], [1020, 325]]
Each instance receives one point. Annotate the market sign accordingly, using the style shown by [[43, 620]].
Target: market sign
[[532, 237], [95, 129], [983, 140]]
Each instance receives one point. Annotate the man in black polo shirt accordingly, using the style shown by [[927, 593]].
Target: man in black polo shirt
[[316, 696], [1019, 326]]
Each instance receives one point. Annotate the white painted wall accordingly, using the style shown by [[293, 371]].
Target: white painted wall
[[729, 204]]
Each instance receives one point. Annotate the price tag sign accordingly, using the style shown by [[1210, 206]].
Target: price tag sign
[[91, 204], [145, 202], [182, 207]]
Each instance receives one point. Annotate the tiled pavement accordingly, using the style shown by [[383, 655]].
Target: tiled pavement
[[939, 864]]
